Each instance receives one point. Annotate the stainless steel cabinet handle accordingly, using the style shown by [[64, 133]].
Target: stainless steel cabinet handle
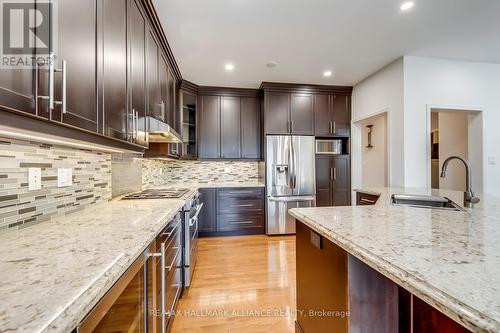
[[331, 127], [163, 276], [331, 173], [168, 234], [242, 205], [178, 250], [292, 199], [136, 125], [367, 200], [62, 102], [51, 84], [241, 222], [334, 128], [335, 173], [291, 126], [63, 106], [178, 286]]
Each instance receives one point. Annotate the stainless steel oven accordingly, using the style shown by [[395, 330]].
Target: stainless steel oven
[[191, 211]]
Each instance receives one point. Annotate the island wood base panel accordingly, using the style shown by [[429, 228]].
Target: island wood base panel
[[338, 293]]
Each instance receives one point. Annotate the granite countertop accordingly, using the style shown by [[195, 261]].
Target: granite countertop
[[449, 259], [52, 274]]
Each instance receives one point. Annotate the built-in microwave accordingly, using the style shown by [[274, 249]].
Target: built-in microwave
[[329, 147]]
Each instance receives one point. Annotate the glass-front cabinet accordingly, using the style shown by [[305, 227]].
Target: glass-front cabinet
[[189, 134]]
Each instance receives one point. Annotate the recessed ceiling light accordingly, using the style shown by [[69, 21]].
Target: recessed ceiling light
[[229, 67], [271, 64], [407, 6], [327, 73]]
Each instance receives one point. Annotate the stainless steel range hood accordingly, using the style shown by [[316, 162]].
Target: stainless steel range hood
[[160, 132]]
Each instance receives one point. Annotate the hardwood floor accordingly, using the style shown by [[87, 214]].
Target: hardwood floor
[[241, 284]]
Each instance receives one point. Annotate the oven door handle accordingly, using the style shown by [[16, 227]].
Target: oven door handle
[[198, 210]]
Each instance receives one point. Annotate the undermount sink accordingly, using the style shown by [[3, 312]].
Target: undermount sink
[[424, 201]]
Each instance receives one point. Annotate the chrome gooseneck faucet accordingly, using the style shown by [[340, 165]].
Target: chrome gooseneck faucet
[[469, 198]]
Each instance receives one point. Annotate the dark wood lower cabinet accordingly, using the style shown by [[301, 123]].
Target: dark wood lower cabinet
[[231, 211], [338, 293], [333, 180]]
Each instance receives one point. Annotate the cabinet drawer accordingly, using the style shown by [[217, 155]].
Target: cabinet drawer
[[233, 222], [237, 205], [365, 199], [253, 192]]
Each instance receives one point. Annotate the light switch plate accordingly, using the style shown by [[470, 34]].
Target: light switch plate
[[492, 160], [34, 179], [64, 177]]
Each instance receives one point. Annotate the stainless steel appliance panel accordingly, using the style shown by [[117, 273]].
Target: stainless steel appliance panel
[[191, 238], [329, 147], [279, 222], [278, 165], [303, 166]]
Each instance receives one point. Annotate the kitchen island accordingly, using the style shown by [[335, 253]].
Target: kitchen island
[[394, 268]]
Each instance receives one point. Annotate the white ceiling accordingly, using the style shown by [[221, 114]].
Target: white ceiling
[[353, 38]]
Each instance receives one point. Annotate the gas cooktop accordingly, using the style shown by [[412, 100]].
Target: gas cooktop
[[166, 193]]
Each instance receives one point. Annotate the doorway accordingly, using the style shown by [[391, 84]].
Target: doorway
[[456, 133]]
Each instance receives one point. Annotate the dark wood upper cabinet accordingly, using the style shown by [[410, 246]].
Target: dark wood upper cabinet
[[230, 127], [173, 112], [17, 86], [341, 116], [229, 124], [117, 120], [250, 128], [301, 114], [164, 92], [276, 113], [322, 115], [77, 27], [137, 72], [153, 88], [209, 127]]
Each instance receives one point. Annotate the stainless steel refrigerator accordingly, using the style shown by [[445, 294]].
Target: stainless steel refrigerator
[[290, 180]]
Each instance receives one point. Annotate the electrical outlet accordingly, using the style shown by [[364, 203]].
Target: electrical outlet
[[34, 179], [492, 160], [227, 170], [64, 177]]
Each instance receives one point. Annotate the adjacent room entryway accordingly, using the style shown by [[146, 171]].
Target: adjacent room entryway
[[456, 133]]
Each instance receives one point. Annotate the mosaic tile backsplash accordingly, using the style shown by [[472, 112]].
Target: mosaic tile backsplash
[[158, 172], [20, 208]]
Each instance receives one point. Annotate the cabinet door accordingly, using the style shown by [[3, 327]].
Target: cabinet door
[[164, 92], [322, 118], [277, 109], [153, 89], [324, 175], [341, 115], [172, 114], [137, 63], [341, 185], [77, 45], [209, 124], [250, 128], [301, 114], [230, 127], [207, 220], [114, 70]]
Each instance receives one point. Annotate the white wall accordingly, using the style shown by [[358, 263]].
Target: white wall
[[453, 141], [379, 93], [374, 159], [455, 85]]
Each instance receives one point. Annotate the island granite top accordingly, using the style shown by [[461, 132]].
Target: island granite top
[[449, 259]]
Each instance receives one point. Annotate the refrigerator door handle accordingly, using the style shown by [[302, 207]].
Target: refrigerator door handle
[[293, 175]]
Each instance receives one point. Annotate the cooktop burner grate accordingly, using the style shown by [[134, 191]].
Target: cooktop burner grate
[[157, 194]]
